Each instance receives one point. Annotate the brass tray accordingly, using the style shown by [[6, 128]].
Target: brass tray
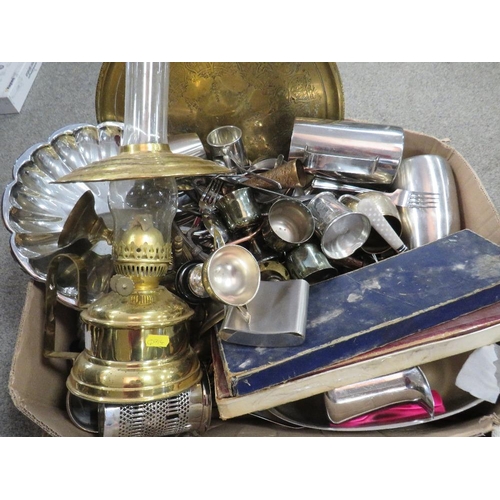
[[262, 99]]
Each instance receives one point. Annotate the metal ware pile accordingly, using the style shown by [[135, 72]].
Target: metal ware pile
[[313, 215], [266, 227], [247, 238], [306, 219]]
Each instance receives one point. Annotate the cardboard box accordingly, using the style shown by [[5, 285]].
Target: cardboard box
[[16, 80], [37, 385]]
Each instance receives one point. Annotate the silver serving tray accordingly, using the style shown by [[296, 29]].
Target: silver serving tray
[[34, 208]]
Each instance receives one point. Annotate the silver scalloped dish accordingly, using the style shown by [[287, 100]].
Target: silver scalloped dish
[[34, 208]]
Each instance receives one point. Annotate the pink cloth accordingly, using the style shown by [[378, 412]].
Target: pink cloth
[[395, 414]]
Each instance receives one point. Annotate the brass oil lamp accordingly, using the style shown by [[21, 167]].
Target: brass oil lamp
[[138, 367]]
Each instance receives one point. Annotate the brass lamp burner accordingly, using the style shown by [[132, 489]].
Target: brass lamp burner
[[141, 253]]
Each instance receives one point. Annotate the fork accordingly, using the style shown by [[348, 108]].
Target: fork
[[400, 197], [207, 202], [210, 195]]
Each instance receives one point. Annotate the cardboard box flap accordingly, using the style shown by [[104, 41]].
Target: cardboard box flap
[[36, 384]]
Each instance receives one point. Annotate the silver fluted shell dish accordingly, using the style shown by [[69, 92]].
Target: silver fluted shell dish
[[35, 209]]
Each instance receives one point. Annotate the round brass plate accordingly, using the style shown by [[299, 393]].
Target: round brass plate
[[262, 99]]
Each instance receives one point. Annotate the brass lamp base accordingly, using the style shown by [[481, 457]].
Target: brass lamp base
[[136, 349], [104, 381]]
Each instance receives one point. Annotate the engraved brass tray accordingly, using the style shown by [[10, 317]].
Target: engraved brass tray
[[262, 99]]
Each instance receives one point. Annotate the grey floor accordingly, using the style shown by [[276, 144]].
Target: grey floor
[[455, 101]]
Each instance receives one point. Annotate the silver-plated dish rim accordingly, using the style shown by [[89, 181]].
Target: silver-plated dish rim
[[373, 428]]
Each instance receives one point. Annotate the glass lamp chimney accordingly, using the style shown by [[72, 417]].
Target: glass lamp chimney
[[143, 210]]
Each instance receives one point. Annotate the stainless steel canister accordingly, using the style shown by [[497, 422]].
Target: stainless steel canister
[[362, 152], [187, 144]]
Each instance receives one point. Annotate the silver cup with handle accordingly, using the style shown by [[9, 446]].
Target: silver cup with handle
[[226, 144]]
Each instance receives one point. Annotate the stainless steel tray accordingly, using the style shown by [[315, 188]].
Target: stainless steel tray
[[310, 413]]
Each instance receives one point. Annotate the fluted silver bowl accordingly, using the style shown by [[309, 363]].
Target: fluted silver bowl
[[35, 209]]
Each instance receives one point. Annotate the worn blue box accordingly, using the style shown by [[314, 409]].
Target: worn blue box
[[364, 309]]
